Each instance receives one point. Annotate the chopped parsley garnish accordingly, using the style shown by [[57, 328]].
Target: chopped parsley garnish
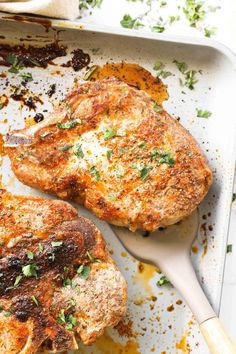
[[158, 28], [41, 248], [94, 172], [56, 243], [71, 303], [85, 4], [142, 144], [70, 124], [164, 74], [163, 157], [16, 65], [108, 154], [173, 19], [78, 151], [65, 147], [1, 105], [194, 11], [91, 258], [66, 319], [144, 172], [7, 314], [163, 3], [89, 72], [68, 108], [27, 77], [129, 22], [111, 197], [203, 114], [229, 248], [234, 197], [190, 75], [30, 254], [163, 280], [67, 282], [83, 271], [208, 32], [30, 270], [158, 65], [44, 134], [33, 298], [157, 108], [17, 280], [109, 133]]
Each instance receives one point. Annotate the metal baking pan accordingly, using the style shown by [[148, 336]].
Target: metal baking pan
[[157, 321]]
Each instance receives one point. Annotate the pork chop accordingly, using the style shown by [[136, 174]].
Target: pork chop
[[57, 281], [111, 148]]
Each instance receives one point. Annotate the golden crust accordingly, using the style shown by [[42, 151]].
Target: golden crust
[[151, 173], [54, 241]]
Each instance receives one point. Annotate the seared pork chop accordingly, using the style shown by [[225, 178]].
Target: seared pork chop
[[57, 281], [110, 147]]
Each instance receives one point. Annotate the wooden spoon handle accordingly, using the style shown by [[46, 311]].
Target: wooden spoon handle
[[216, 338]]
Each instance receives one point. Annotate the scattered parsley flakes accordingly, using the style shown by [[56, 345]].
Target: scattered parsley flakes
[[65, 148], [157, 108], [30, 255], [44, 134], [1, 105], [78, 151], [33, 298], [203, 114], [194, 11], [158, 28], [56, 243], [66, 319], [144, 172], [70, 124], [182, 66], [233, 197], [17, 281], [162, 281], [16, 65], [108, 154], [86, 4], [229, 248], [142, 144], [190, 75], [41, 248], [208, 32], [27, 77], [111, 197], [129, 22], [158, 65], [89, 72], [93, 171], [164, 74], [83, 271], [109, 133], [7, 314], [71, 303], [30, 270], [68, 108], [163, 157]]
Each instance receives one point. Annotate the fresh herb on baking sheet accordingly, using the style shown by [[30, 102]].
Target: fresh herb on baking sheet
[[27, 77], [189, 75], [173, 19], [164, 74], [129, 22], [89, 72], [208, 32], [158, 28], [158, 65], [234, 197], [65, 148], [144, 172], [17, 281], [194, 11], [1, 105], [229, 248], [203, 114], [16, 65], [94, 172], [109, 133], [163, 3], [78, 151], [70, 124], [86, 4], [162, 281], [34, 299], [83, 271]]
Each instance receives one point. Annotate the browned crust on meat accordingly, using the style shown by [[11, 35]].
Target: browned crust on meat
[[35, 224], [171, 191]]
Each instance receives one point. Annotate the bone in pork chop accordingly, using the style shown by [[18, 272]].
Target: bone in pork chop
[[111, 148], [57, 281]]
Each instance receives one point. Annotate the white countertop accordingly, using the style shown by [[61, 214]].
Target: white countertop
[[224, 19]]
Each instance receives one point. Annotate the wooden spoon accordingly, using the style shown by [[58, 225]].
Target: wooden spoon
[[169, 250]]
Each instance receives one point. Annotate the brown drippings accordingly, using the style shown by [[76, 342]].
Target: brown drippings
[[29, 101], [133, 75], [183, 345], [79, 60], [170, 308], [2, 151], [179, 302], [144, 274], [125, 329], [40, 21], [194, 249]]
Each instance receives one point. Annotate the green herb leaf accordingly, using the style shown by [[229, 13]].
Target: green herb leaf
[[111, 197], [70, 124], [17, 281], [142, 144], [56, 243], [157, 108], [61, 319], [183, 67], [90, 72], [1, 105], [27, 77], [94, 172], [83, 271], [68, 108], [162, 281], [30, 270], [144, 172], [33, 298], [194, 11], [108, 154], [190, 79], [71, 303], [71, 322], [41, 248], [158, 28], [158, 65], [203, 114], [109, 133], [78, 151], [91, 258], [7, 314], [44, 134], [30, 254], [234, 197], [15, 64], [129, 22], [163, 157], [208, 32]]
